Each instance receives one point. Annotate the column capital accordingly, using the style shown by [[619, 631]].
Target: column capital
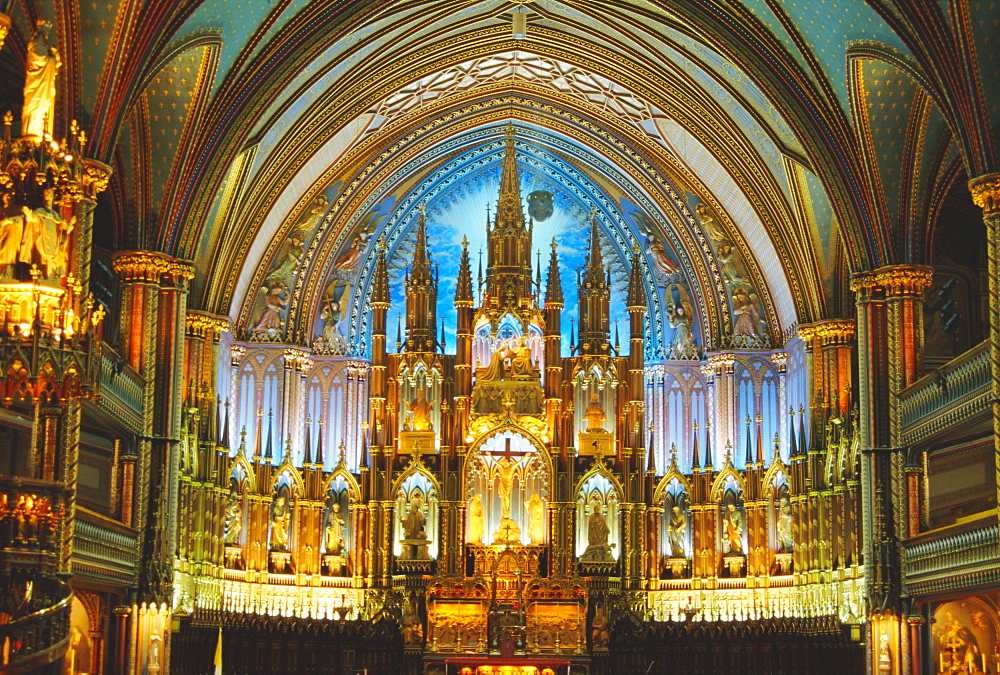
[[985, 191], [893, 281], [829, 331], [199, 324], [150, 267]]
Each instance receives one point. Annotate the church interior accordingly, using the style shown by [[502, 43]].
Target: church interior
[[500, 337]]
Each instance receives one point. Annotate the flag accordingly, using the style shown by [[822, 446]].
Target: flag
[[217, 661]]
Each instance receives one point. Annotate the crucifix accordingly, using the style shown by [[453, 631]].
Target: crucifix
[[506, 467]]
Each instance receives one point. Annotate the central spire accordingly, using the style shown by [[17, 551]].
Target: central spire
[[509, 241]]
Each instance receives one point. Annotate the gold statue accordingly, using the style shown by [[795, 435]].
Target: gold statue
[[281, 515], [677, 532], [594, 414], [234, 518], [46, 237], [419, 412], [334, 531], [509, 531], [598, 549], [536, 520], [477, 520], [43, 62], [12, 221], [734, 529], [521, 363]]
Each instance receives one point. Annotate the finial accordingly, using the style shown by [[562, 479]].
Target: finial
[[554, 245], [422, 209], [465, 241], [509, 130], [380, 243]]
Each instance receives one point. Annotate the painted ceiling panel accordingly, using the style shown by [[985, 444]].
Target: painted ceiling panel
[[889, 94], [169, 97], [97, 23], [829, 25], [985, 18]]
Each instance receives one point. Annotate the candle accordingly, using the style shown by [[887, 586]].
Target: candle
[[941, 654], [984, 662]]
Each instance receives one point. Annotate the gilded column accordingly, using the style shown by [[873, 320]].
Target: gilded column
[[986, 194]]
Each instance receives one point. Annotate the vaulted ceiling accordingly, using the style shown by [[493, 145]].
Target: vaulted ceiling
[[767, 145]]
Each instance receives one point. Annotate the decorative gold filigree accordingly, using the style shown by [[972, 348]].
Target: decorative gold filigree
[[150, 267], [986, 193], [832, 331], [204, 325], [4, 28]]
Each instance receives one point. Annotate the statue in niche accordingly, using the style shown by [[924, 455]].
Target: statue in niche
[[784, 525], [419, 412], [331, 313], [153, 654], [709, 223], [594, 416], [734, 529], [45, 241], [43, 63], [413, 525], [281, 516], [521, 363], [477, 520], [536, 520], [509, 363], [677, 532], [234, 516], [334, 531], [275, 301], [746, 319], [598, 532], [599, 629], [12, 219]]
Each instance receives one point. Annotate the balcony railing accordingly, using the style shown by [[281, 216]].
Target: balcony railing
[[38, 633], [104, 549], [956, 391], [958, 557]]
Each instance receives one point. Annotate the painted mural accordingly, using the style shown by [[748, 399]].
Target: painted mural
[[964, 637]]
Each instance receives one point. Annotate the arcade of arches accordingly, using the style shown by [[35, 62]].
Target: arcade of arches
[[482, 337]]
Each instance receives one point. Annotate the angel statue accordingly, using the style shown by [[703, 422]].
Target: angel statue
[[275, 300]]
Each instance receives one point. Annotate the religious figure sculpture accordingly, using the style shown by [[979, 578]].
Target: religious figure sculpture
[[658, 253], [281, 515], [521, 363], [594, 415], [709, 223], [275, 302], [291, 253], [745, 315], [599, 630], [153, 654], [509, 532], [12, 221], [677, 532], [598, 531], [350, 258], [234, 517], [312, 215], [334, 531], [415, 541], [45, 241], [43, 62], [784, 525], [734, 529], [477, 520], [728, 264], [680, 317], [536, 520], [419, 413], [413, 525]]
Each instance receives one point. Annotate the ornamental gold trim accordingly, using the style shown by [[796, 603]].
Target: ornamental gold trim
[[829, 332], [150, 267], [205, 325]]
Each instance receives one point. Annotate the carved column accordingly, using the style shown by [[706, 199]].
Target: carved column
[[986, 194], [890, 345]]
